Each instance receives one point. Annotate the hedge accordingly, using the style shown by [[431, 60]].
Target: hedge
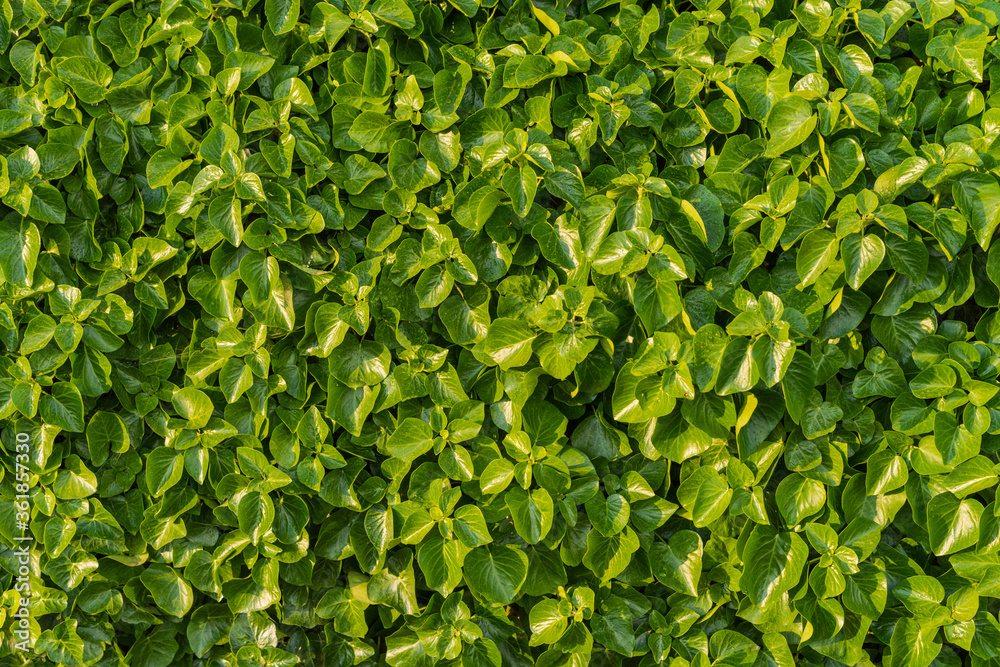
[[497, 333]]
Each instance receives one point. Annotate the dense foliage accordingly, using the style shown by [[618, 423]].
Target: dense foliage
[[492, 333]]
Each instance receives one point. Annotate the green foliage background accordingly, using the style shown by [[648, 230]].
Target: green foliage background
[[502, 333]]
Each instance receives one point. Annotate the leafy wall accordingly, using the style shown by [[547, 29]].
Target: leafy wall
[[500, 333]]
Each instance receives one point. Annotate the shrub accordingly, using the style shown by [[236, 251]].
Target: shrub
[[492, 333]]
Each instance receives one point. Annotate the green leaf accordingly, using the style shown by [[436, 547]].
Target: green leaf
[[62, 644], [245, 596], [607, 557], [862, 255], [962, 50], [521, 186], [814, 16], [360, 173], [816, 253], [63, 407], [547, 623], [819, 417], [900, 334], [75, 480], [882, 376], [411, 439], [252, 66], [376, 79], [360, 363], [348, 613], [798, 383], [886, 472], [259, 272], [499, 473], [789, 123], [678, 562], [217, 142], [449, 87], [395, 12], [705, 495], [866, 592], [281, 15], [19, 247], [91, 372], [193, 405], [434, 286], [771, 359], [507, 344], [408, 170], [977, 196], [154, 649], [87, 77], [395, 586], [608, 515], [846, 162], [737, 372], [470, 526], [863, 111], [170, 591], [215, 296], [933, 382], [106, 432], [774, 564], [466, 317], [932, 11], [47, 205], [496, 573], [532, 511], [256, 515], [235, 379], [209, 625], [441, 563], [164, 468], [799, 497], [952, 524], [911, 645], [349, 407], [226, 215]]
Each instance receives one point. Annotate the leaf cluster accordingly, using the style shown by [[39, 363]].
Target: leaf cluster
[[497, 333]]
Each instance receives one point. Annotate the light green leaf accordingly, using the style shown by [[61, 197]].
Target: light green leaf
[[170, 591], [281, 15], [862, 255], [789, 123], [816, 253], [496, 573], [411, 439], [678, 562], [705, 495], [507, 344], [533, 512], [164, 468], [19, 247], [88, 77], [63, 407], [962, 50], [952, 524], [774, 562]]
